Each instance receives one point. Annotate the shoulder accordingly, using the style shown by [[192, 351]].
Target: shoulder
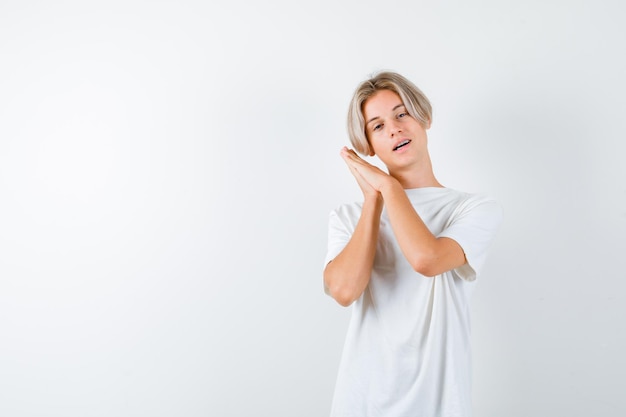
[[483, 202], [347, 211], [469, 201], [342, 221], [477, 206], [452, 201]]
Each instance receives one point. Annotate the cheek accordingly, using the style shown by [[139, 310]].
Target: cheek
[[373, 145], [378, 144], [371, 139]]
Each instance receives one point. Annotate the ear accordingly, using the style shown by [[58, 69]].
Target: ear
[[371, 152], [428, 124]]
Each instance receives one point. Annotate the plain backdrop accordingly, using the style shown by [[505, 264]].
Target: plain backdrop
[[167, 169]]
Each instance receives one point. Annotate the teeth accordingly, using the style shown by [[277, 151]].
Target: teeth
[[401, 144]]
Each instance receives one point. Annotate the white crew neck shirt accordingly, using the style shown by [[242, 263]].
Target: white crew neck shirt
[[407, 349]]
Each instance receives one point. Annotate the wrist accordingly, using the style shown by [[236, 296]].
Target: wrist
[[388, 185], [374, 200], [375, 197]]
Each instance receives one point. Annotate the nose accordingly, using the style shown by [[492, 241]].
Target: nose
[[394, 128]]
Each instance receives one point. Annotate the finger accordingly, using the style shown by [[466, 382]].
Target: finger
[[346, 158], [351, 165], [349, 159], [351, 153], [353, 157]]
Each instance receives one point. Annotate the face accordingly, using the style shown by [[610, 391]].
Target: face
[[396, 137]]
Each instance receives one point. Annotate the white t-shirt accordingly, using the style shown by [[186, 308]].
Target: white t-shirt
[[407, 350]]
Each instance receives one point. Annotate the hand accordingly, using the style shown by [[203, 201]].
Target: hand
[[370, 178]]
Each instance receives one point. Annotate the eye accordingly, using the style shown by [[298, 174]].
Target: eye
[[401, 115], [377, 127]]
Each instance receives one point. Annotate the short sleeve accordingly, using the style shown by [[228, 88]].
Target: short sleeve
[[338, 236], [473, 227], [341, 224]]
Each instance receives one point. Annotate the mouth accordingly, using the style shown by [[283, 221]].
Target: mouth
[[401, 144]]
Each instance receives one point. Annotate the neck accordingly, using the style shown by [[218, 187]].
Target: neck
[[419, 175]]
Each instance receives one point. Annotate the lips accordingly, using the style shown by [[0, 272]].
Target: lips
[[401, 144]]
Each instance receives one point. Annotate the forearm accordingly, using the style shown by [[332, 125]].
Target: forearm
[[426, 253], [347, 276]]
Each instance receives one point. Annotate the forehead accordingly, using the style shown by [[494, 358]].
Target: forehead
[[381, 102]]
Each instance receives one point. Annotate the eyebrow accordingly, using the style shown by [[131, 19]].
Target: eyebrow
[[376, 117]]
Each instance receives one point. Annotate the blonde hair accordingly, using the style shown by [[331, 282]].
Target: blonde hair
[[416, 103]]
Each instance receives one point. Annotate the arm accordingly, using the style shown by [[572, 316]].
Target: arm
[[426, 253], [347, 276]]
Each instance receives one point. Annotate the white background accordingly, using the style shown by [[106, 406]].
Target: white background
[[167, 169]]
